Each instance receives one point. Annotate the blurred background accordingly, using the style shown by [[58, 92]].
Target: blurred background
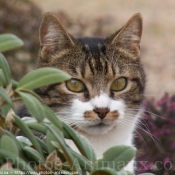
[[102, 18]]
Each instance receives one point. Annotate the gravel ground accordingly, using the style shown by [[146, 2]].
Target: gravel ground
[[158, 41]]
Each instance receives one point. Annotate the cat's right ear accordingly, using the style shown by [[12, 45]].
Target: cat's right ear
[[128, 37], [53, 36]]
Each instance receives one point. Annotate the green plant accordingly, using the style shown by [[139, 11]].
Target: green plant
[[21, 151]]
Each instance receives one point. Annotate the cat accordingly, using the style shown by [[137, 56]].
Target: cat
[[103, 99]]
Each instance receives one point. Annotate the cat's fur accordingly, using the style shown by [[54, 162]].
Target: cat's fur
[[97, 63]]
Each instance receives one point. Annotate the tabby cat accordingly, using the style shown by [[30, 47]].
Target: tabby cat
[[103, 99]]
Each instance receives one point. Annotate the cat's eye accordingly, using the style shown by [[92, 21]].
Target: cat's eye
[[75, 85], [119, 84]]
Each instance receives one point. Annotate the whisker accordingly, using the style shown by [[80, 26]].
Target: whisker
[[145, 111], [154, 138], [123, 122]]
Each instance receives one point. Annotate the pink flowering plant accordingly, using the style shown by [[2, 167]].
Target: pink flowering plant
[[156, 138]]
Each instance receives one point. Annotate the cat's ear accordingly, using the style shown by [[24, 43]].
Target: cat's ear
[[129, 36], [53, 36]]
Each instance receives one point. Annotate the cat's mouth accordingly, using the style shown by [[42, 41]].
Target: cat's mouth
[[98, 128], [101, 124], [95, 128]]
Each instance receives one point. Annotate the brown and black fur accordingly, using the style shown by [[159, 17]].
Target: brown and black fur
[[96, 61]]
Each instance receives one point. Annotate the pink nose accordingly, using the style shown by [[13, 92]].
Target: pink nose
[[101, 112]]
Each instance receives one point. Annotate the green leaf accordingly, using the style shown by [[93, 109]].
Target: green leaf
[[33, 105], [146, 174], [116, 157], [23, 141], [5, 69], [50, 115], [43, 145], [2, 123], [5, 109], [28, 133], [8, 144], [9, 42], [5, 97], [28, 120], [88, 147], [32, 93], [49, 138], [59, 151], [78, 142], [68, 155], [124, 172], [37, 127], [21, 153], [17, 162], [42, 77], [8, 133], [129, 173], [85, 164], [104, 172], [2, 78], [14, 84], [33, 154]]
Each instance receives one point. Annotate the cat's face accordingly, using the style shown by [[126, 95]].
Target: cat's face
[[107, 82]]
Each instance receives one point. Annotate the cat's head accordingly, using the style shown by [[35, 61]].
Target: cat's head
[[108, 81]]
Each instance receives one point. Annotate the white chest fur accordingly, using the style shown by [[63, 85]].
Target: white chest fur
[[117, 136]]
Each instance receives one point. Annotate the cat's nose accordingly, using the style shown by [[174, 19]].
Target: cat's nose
[[101, 112]]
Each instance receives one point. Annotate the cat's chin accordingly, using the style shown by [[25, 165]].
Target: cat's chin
[[97, 129]]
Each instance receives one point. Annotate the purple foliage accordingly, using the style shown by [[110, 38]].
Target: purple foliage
[[156, 140]]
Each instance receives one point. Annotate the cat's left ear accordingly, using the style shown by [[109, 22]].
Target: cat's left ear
[[129, 36], [53, 36]]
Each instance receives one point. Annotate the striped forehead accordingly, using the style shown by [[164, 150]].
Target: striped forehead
[[93, 45], [94, 50]]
